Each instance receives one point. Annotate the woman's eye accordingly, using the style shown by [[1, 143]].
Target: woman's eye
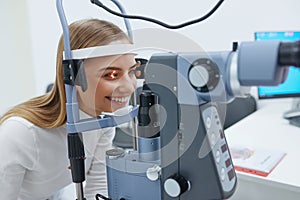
[[132, 71], [112, 75]]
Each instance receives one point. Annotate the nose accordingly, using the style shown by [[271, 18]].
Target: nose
[[127, 84]]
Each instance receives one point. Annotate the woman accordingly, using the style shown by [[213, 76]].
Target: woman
[[33, 144]]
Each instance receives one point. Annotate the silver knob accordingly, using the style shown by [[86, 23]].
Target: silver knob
[[198, 76], [176, 185], [153, 172], [204, 75]]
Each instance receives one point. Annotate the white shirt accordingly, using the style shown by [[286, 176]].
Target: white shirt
[[34, 161]]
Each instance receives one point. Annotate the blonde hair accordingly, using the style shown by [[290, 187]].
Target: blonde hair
[[49, 110]]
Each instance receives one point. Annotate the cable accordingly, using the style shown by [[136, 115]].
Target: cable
[[98, 3], [98, 196]]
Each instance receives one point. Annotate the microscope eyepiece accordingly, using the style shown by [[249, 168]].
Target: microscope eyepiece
[[147, 100], [148, 125]]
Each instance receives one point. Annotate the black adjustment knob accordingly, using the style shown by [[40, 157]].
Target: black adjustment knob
[[204, 75], [176, 185]]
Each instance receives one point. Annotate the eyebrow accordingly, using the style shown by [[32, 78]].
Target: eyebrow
[[117, 68]]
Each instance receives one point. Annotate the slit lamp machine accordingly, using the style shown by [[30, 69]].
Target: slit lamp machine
[[181, 151]]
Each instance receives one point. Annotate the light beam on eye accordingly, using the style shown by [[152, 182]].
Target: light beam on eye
[[112, 75]]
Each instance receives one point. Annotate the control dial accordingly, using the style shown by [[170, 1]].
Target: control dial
[[153, 173], [204, 75], [176, 185]]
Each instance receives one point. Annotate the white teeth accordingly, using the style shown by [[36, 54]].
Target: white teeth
[[121, 99]]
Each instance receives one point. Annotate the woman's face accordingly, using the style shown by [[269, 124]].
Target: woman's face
[[111, 81]]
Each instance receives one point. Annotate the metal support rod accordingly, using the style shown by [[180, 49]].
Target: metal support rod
[[126, 21], [134, 123], [79, 191], [77, 164]]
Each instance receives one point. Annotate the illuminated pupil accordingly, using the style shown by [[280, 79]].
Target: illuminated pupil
[[113, 74]]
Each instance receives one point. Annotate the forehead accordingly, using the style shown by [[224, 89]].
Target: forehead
[[122, 61]]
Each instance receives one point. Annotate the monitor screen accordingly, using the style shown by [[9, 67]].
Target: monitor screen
[[291, 87]]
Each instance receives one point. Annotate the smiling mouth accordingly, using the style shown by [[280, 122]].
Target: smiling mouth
[[119, 99]]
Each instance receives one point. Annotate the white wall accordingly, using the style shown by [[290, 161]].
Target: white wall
[[17, 82], [236, 20]]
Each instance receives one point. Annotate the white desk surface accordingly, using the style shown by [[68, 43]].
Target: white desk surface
[[267, 129]]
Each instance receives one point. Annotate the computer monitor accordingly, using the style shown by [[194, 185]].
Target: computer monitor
[[291, 87]]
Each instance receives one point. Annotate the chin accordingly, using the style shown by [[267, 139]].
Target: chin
[[117, 108]]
